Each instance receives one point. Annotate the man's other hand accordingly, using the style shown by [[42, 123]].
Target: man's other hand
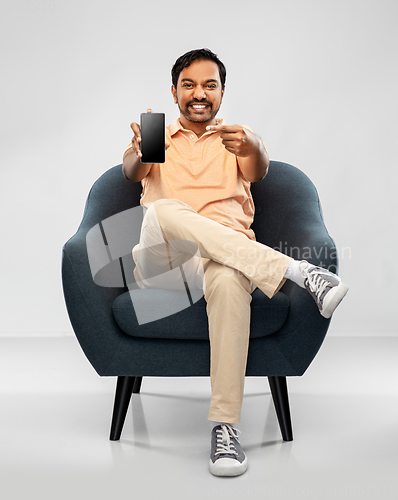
[[237, 139]]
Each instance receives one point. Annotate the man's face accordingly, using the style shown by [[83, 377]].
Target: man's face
[[199, 93]]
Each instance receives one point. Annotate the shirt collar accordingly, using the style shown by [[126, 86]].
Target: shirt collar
[[176, 126]]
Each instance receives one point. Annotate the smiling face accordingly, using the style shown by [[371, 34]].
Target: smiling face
[[198, 94]]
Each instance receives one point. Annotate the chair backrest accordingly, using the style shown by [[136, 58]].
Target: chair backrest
[[286, 206], [284, 188], [279, 197]]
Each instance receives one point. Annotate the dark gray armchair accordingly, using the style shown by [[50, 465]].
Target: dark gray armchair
[[286, 331]]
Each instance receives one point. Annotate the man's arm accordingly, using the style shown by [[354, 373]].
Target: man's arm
[[253, 159], [255, 166], [132, 167]]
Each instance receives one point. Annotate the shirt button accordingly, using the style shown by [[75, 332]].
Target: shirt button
[[191, 136]]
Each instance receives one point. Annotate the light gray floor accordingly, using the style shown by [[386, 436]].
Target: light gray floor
[[55, 416]]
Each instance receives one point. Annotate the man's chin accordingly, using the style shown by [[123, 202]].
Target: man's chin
[[198, 121], [194, 118]]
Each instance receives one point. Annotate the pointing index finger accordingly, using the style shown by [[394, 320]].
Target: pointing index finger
[[215, 127], [225, 128]]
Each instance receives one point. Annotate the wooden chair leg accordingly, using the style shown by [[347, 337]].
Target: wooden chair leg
[[124, 388], [280, 397]]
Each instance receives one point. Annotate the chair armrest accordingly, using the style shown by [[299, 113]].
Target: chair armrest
[[303, 235], [304, 331], [89, 305]]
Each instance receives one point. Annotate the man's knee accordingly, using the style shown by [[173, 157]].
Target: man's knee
[[167, 212], [164, 210], [159, 208]]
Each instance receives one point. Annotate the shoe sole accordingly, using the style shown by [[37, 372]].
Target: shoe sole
[[222, 467], [334, 297]]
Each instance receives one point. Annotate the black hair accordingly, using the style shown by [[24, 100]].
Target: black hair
[[197, 55]]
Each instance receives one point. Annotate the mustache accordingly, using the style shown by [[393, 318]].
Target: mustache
[[196, 101]]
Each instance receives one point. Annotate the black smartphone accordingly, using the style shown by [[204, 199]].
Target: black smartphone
[[152, 137]]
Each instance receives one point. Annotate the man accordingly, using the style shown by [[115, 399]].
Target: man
[[201, 196]]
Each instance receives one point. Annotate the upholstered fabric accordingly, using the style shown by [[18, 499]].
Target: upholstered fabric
[[268, 315], [288, 217]]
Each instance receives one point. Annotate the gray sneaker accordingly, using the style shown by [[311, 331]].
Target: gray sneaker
[[227, 457], [326, 288]]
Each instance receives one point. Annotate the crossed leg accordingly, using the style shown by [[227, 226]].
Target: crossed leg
[[173, 234]]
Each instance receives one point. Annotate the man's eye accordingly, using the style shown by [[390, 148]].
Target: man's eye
[[211, 87], [186, 85]]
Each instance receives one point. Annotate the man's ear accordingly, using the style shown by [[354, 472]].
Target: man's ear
[[174, 92], [222, 92]]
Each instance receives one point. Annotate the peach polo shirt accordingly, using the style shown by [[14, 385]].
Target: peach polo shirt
[[203, 174]]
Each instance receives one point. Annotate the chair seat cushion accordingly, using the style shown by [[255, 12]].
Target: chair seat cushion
[[190, 323]]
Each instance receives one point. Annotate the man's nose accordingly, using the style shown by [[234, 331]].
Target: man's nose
[[199, 93]]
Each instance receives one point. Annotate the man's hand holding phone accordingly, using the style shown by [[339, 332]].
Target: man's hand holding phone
[[148, 146], [149, 138]]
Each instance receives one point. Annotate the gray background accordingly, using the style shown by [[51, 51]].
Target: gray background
[[315, 79]]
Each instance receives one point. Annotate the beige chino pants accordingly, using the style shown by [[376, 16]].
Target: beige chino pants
[[229, 266]]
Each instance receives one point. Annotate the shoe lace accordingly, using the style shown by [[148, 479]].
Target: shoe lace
[[317, 284], [225, 445]]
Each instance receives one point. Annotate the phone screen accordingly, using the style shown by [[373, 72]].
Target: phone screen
[[152, 137]]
